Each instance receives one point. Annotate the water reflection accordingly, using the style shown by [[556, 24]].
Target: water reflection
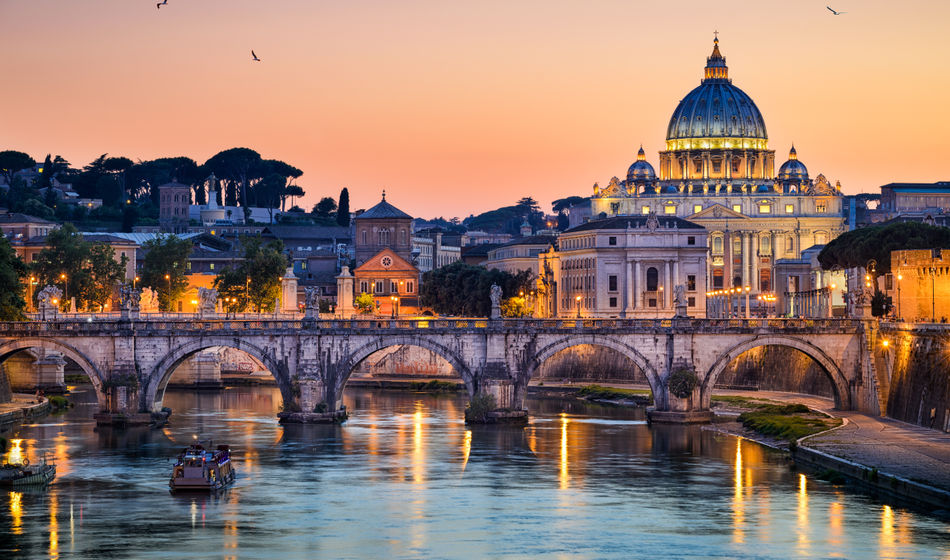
[[405, 477]]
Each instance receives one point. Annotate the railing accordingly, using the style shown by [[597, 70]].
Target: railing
[[265, 322]]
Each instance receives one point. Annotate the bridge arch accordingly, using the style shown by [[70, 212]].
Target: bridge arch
[[354, 358], [163, 370], [839, 382], [613, 343], [89, 368]]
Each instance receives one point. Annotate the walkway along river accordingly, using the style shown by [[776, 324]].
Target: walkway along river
[[406, 478]]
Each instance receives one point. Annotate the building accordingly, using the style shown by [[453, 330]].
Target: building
[[174, 200], [919, 285], [429, 250], [392, 281], [804, 289], [382, 227], [478, 254], [522, 254], [625, 266], [717, 171], [16, 226], [476, 237]]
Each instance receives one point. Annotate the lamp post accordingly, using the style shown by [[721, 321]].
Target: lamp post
[[578, 300], [747, 290], [659, 301], [899, 278], [168, 297], [933, 299], [393, 300], [134, 282], [65, 287]]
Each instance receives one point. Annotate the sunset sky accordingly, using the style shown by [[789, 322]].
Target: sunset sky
[[456, 108]]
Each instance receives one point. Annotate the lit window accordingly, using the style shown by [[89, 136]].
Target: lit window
[[820, 207], [765, 208], [669, 209], [737, 208], [644, 209], [303, 265], [211, 266], [697, 208], [789, 209]]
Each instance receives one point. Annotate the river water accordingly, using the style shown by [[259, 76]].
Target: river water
[[405, 478]]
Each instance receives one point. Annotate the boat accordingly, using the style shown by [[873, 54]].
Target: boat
[[25, 474], [203, 470]]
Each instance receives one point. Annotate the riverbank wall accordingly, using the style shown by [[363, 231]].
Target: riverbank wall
[[918, 376]]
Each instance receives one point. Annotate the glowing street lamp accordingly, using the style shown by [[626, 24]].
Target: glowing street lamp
[[65, 287], [899, 278], [578, 300], [393, 299]]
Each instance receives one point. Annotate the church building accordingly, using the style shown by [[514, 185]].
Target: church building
[[717, 171]]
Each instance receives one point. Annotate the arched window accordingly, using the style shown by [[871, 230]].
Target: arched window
[[789, 244], [765, 245], [717, 245], [653, 279], [363, 240]]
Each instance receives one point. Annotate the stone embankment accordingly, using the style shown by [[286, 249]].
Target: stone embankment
[[22, 407]]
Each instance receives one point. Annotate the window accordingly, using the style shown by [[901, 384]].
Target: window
[[789, 244], [653, 278], [612, 283], [211, 266], [691, 240], [378, 288], [789, 208], [613, 302], [669, 209], [691, 282], [691, 301], [364, 287], [821, 238], [765, 208], [737, 208], [188, 265], [697, 208], [820, 207], [717, 278], [737, 246], [611, 240], [409, 287], [644, 209], [717, 245], [717, 166], [363, 237], [393, 287]]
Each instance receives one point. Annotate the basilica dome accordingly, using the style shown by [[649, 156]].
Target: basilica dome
[[793, 170], [716, 113], [641, 170]]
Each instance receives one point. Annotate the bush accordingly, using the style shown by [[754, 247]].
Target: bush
[[479, 407], [321, 407], [434, 386], [58, 402], [610, 393], [682, 382]]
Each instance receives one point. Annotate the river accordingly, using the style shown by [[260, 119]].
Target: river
[[405, 478]]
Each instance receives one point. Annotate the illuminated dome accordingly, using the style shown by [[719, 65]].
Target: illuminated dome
[[641, 170], [716, 113], [793, 170]]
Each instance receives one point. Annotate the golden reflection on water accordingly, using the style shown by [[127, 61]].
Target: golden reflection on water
[[418, 447], [230, 539], [803, 540], [15, 455], [836, 528], [53, 526], [466, 448], [72, 529], [418, 460], [564, 476], [61, 455], [738, 499], [16, 513]]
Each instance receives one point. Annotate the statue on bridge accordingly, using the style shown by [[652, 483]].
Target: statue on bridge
[[679, 300], [129, 301], [48, 300], [311, 305], [495, 294], [207, 300], [148, 301]]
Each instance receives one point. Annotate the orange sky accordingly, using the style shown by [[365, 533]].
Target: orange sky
[[456, 108]]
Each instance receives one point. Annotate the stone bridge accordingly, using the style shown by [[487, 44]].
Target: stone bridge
[[131, 361]]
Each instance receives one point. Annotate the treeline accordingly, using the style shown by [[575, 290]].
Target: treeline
[[858, 247], [129, 189]]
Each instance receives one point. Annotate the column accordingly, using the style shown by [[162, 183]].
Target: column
[[745, 258], [629, 303], [727, 260], [637, 284], [676, 274], [755, 262]]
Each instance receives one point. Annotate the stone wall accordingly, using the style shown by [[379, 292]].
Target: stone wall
[[6, 394], [920, 380], [587, 363], [405, 361], [776, 368]]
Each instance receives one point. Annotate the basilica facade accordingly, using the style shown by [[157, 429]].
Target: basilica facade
[[717, 171]]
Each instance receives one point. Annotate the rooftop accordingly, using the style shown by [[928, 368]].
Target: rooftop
[[635, 222]]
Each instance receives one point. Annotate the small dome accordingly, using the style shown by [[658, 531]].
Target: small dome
[[641, 170], [793, 170]]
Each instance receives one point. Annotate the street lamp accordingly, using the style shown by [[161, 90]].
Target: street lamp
[[933, 307], [578, 300], [747, 290], [65, 287], [134, 282], [393, 299], [169, 295]]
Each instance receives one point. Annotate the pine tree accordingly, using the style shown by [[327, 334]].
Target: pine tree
[[343, 209]]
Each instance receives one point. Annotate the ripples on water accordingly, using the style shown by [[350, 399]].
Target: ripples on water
[[405, 478]]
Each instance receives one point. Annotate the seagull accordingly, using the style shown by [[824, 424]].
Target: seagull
[[160, 4], [254, 57], [829, 9]]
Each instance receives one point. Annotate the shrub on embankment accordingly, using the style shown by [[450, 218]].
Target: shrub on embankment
[[598, 392]]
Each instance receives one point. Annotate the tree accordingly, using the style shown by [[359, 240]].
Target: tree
[[528, 205], [258, 275], [563, 222], [565, 203], [12, 274], [12, 162], [86, 271], [293, 192], [855, 248], [343, 209], [325, 207], [464, 290], [166, 256], [365, 303]]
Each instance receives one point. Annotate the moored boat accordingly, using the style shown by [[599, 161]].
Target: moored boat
[[200, 469], [25, 474]]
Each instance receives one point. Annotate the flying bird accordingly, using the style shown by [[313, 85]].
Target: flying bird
[[254, 57], [829, 9], [160, 4]]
